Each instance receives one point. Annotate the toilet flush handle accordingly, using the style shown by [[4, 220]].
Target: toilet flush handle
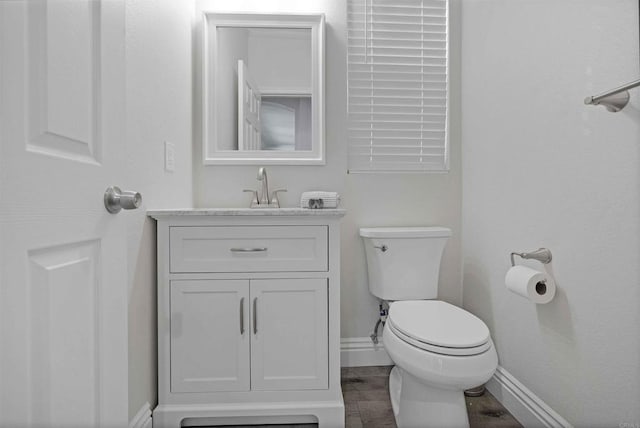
[[382, 247]]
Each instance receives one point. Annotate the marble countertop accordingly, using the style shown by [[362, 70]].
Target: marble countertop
[[339, 212]]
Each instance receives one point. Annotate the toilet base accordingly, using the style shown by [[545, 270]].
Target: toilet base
[[418, 405]]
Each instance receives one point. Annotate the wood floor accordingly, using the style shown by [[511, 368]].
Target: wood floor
[[367, 404]]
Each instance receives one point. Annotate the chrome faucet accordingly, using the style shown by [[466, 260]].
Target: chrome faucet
[[264, 200]]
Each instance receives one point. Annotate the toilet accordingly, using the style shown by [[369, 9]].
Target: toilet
[[439, 349]]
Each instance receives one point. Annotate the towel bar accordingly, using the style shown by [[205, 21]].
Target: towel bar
[[615, 99]]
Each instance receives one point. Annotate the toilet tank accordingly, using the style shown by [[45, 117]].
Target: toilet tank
[[404, 262]]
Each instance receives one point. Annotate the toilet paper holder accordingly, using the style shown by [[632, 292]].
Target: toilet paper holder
[[543, 255]]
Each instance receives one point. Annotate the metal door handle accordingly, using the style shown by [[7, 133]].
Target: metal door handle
[[115, 200], [247, 250], [255, 316], [242, 316]]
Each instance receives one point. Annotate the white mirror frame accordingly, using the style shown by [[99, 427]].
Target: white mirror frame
[[211, 155]]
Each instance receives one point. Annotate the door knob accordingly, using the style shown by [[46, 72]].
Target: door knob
[[115, 200]]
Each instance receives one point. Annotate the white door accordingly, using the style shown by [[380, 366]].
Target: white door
[[209, 335], [249, 101], [289, 344], [63, 273]]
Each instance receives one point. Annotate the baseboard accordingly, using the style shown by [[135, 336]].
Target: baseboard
[[142, 419], [523, 404], [361, 351]]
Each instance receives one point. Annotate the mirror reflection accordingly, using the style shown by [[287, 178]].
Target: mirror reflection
[[265, 89]]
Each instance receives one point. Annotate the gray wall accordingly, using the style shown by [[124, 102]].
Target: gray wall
[[371, 200], [158, 67], [542, 169]]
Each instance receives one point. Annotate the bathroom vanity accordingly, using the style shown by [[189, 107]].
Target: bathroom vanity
[[248, 317]]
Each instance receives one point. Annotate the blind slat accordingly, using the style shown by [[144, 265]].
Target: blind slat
[[386, 108], [395, 138], [380, 41], [358, 118], [380, 124], [399, 68], [378, 91], [397, 74]]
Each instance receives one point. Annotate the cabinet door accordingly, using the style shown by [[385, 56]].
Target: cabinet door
[[209, 335], [289, 340]]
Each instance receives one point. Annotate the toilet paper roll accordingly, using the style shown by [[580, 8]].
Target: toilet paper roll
[[534, 285]]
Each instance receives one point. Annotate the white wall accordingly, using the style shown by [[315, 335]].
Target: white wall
[[158, 65], [281, 59], [371, 200], [542, 169]]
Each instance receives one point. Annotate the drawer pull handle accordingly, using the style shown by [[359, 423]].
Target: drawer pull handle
[[248, 250], [255, 316], [242, 316]]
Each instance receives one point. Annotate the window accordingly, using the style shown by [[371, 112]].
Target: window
[[398, 85]]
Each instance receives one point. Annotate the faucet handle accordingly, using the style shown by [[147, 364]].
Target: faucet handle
[[254, 200], [274, 197]]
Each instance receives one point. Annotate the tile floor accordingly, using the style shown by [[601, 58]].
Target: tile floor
[[367, 404]]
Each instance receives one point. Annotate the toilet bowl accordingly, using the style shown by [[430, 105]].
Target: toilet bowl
[[439, 350], [428, 382]]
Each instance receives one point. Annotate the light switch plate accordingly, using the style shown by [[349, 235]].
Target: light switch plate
[[169, 156]]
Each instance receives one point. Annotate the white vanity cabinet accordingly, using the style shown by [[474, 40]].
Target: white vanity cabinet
[[209, 344], [248, 317], [289, 334], [239, 335]]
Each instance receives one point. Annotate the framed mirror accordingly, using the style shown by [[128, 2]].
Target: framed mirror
[[263, 89]]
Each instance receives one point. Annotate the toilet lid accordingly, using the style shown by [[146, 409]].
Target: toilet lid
[[438, 323]]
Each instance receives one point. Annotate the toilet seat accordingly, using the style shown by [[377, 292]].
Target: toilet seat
[[438, 327], [456, 352]]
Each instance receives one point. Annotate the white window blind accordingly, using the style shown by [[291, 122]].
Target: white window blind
[[398, 85]]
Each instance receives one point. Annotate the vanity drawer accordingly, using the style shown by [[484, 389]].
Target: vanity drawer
[[248, 249]]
